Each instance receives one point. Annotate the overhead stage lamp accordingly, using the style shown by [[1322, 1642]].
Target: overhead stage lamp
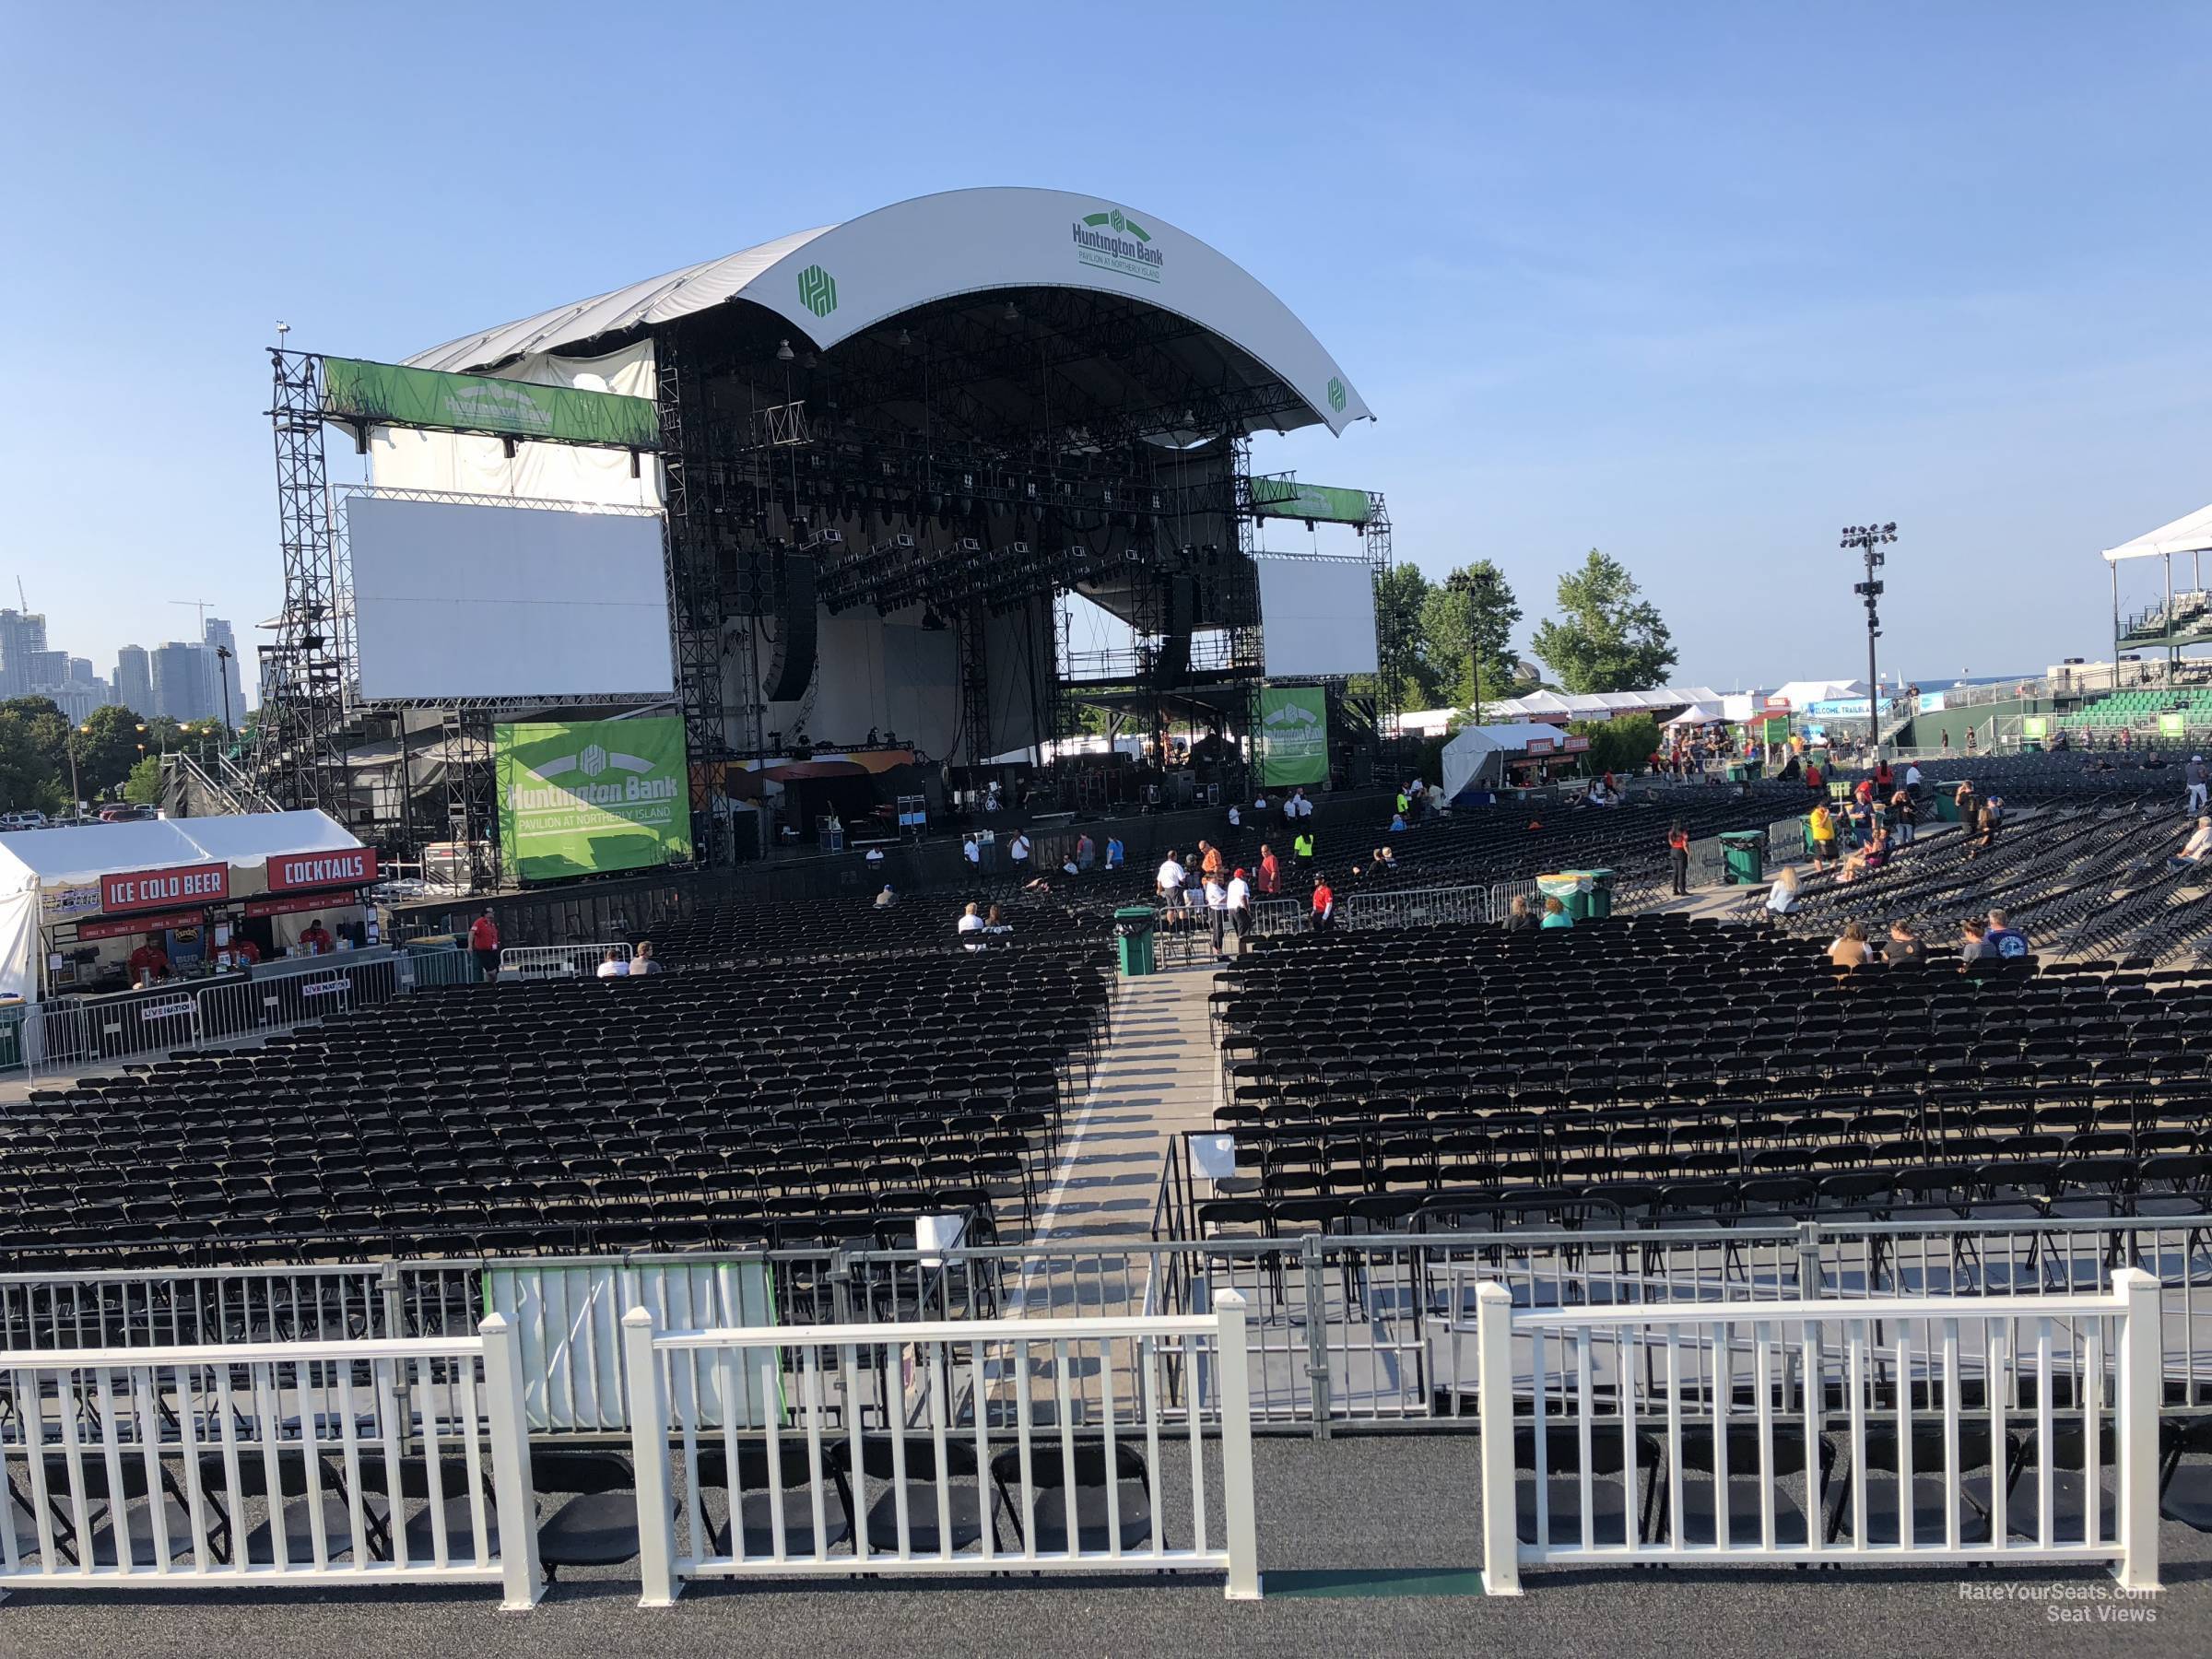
[[784, 352], [1013, 313]]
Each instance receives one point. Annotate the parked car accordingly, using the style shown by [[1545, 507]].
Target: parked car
[[124, 814], [22, 821]]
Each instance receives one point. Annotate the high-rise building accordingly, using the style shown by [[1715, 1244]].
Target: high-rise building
[[22, 635], [135, 680], [80, 672], [229, 689], [183, 689]]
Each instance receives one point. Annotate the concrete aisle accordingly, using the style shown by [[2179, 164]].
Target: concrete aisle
[[1155, 1079]]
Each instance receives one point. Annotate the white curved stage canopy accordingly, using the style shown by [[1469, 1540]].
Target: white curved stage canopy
[[831, 283]]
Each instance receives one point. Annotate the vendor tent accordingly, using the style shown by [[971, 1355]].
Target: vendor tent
[[1468, 761], [34, 862], [1698, 714]]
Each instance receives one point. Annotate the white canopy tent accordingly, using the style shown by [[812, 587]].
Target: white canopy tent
[[1803, 694], [1699, 714], [2191, 533], [39, 865], [1467, 759]]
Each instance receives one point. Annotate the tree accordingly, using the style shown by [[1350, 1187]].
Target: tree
[[1405, 677], [143, 788], [107, 748], [1470, 619], [1623, 745], [1606, 638], [28, 780]]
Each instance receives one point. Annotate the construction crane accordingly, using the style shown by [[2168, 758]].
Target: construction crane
[[200, 607]]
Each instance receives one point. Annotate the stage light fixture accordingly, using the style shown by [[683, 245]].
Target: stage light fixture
[[905, 338], [1013, 313], [784, 352]]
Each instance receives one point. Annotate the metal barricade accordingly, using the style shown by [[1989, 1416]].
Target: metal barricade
[[558, 961], [1414, 907], [378, 1462], [1821, 1431], [788, 1434]]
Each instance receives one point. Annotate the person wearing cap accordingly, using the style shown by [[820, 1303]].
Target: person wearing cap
[[1240, 904], [885, 900], [2194, 775]]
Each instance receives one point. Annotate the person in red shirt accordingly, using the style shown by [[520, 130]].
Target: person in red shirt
[[1678, 857], [149, 961], [484, 940], [1324, 906], [1271, 874], [317, 939]]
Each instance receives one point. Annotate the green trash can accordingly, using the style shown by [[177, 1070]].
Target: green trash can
[[1132, 925], [1570, 888], [1742, 857], [12, 1015], [1601, 893]]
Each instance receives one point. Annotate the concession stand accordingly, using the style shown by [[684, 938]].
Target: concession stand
[[156, 906]]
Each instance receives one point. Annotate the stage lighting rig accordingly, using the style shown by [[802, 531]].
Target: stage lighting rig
[[1869, 540]]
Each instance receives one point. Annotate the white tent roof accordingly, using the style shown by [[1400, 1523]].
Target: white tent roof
[[84, 853], [1800, 694], [832, 283], [1472, 747], [2191, 533], [1699, 714], [1605, 705]]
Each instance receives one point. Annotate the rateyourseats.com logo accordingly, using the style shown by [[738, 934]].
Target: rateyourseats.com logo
[[818, 291], [1109, 240]]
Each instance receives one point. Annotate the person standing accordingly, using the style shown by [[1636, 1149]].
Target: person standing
[[1086, 849], [149, 961], [1114, 852], [1019, 851], [2196, 775], [1236, 823], [1301, 846], [1324, 906], [1210, 862], [1271, 872], [1239, 906], [1821, 824], [973, 851], [1904, 814], [1678, 857], [315, 940], [484, 943], [1217, 912], [1168, 883]]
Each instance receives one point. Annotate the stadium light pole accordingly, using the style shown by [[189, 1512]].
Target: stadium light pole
[[1870, 539], [1478, 586]]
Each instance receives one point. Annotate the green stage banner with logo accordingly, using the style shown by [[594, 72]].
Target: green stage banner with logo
[[1281, 498], [584, 796], [1294, 735], [385, 393], [2173, 725]]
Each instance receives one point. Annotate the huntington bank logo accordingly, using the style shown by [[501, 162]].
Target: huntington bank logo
[[593, 762], [1110, 241], [1335, 394], [818, 291], [1291, 714]]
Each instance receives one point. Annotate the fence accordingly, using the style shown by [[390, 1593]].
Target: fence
[[558, 961], [1703, 1433], [966, 1444], [249, 1464], [74, 1035]]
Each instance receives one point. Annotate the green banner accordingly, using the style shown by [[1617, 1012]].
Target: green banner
[[2173, 725], [1281, 498], [385, 393], [1294, 735], [581, 798], [2035, 727]]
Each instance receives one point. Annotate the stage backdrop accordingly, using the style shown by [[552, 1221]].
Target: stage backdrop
[[1294, 736], [581, 798]]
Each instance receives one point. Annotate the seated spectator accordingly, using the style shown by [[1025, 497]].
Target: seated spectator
[[996, 925], [2198, 844], [1905, 948], [1555, 914], [1875, 855], [885, 900], [971, 923], [1973, 944], [1519, 918], [2001, 938], [641, 960], [1851, 948], [612, 966], [1782, 897]]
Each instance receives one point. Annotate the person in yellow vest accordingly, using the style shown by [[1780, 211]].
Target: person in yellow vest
[[1822, 826], [1302, 846]]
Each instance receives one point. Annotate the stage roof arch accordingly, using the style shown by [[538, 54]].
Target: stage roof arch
[[832, 283]]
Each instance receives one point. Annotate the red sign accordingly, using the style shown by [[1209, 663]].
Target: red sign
[[138, 924], [355, 866], [1539, 746], [164, 889], [288, 907], [1576, 744]]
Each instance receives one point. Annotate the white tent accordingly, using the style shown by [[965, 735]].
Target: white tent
[[1699, 714], [1803, 694], [1468, 757], [2191, 533], [35, 863]]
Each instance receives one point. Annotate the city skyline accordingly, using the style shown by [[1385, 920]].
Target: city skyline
[[183, 679]]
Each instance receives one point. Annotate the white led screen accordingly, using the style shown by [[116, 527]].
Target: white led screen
[[1318, 616], [456, 599]]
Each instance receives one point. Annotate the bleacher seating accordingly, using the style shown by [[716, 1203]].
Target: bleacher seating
[[1656, 1071], [700, 1110]]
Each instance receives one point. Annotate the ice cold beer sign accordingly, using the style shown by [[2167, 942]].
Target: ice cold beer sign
[[182, 887]]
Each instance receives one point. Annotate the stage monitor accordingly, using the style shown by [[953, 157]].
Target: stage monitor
[[1317, 616], [459, 598]]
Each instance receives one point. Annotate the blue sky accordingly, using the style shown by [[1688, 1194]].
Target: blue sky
[[1694, 284]]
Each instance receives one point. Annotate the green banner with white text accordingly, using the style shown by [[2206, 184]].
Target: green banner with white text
[[580, 798], [1283, 498], [1294, 735], [387, 394]]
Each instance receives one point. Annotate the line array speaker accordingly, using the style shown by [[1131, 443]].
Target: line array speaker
[[791, 663], [1173, 664]]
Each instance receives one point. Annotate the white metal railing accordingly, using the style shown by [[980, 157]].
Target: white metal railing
[[958, 1446], [1914, 1429], [367, 1462], [1414, 907], [1503, 893], [558, 961]]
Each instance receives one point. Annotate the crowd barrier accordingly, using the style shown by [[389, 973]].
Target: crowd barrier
[[81, 1033], [558, 961], [1806, 1431]]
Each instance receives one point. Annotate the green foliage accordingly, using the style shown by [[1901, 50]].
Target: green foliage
[[1468, 619], [1620, 745], [143, 788], [1607, 639], [1400, 593], [27, 781]]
